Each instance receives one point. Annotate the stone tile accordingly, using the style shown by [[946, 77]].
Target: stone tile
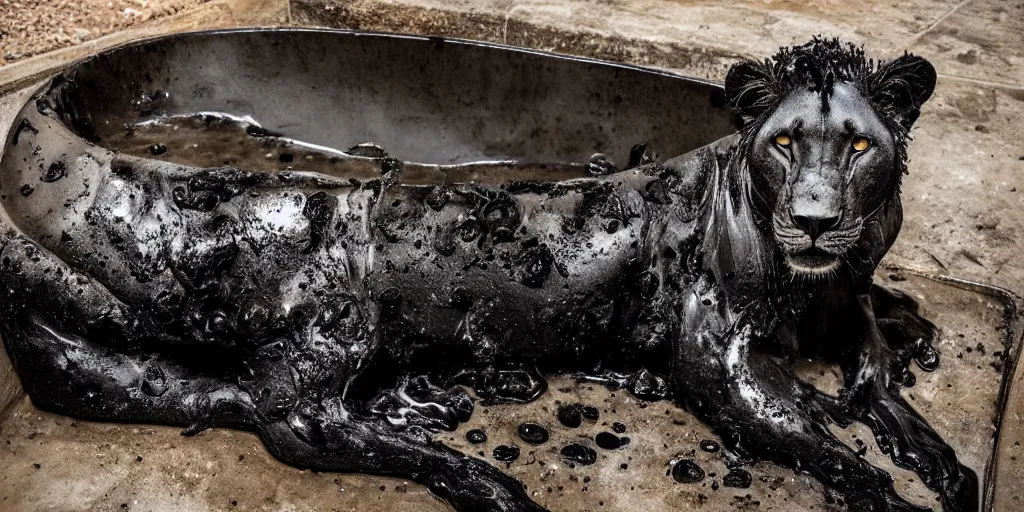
[[701, 37], [983, 40], [214, 14], [965, 189]]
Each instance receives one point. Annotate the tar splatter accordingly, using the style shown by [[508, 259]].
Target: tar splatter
[[580, 454], [607, 440], [569, 415], [532, 433], [476, 436], [687, 471], [709, 446], [506, 452], [737, 477]]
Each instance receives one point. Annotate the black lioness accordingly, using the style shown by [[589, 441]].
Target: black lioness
[[285, 304]]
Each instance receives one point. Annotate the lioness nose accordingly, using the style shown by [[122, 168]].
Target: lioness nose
[[814, 226]]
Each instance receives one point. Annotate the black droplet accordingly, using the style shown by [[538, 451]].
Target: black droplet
[[908, 378], [612, 226], [26, 190], [607, 440], [54, 172], [579, 454], [157, 149], [687, 471], [709, 446], [532, 433], [618, 427], [648, 386], [928, 360], [737, 477], [286, 157], [476, 436], [569, 415], [590, 412], [506, 453]]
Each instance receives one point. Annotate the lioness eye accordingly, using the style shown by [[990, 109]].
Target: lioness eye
[[783, 140], [861, 143]]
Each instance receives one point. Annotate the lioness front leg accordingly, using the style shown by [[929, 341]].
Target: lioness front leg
[[875, 400], [760, 409], [909, 334]]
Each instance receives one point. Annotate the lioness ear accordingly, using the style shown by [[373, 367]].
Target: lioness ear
[[750, 89], [901, 86]]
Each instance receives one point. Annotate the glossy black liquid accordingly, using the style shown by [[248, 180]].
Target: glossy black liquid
[[569, 416], [532, 433], [579, 454], [737, 477], [687, 471], [607, 441], [708, 446], [476, 436], [506, 453]]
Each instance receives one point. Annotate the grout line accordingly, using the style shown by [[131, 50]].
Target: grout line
[[986, 83], [508, 17], [931, 27]]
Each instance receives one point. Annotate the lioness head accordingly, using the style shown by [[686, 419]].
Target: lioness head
[[824, 139]]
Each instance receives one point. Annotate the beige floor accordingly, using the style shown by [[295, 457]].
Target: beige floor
[[962, 198]]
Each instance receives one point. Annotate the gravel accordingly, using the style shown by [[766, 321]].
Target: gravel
[[31, 27]]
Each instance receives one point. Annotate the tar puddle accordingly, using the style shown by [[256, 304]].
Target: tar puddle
[[211, 140]]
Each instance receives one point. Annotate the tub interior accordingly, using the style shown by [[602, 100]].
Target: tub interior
[[424, 100]]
